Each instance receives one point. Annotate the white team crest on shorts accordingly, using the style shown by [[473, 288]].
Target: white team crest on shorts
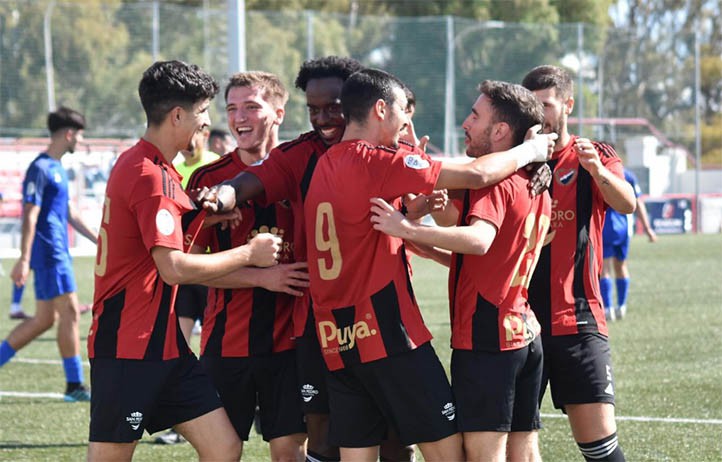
[[134, 419], [308, 392], [416, 162], [449, 411], [164, 222]]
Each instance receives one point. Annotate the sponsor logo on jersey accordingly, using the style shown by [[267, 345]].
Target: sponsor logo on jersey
[[164, 222], [346, 336], [559, 217], [565, 176], [57, 178], [416, 162], [308, 392], [30, 189], [449, 411], [134, 419]]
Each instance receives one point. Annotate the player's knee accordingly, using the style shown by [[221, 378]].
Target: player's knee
[[606, 449], [290, 448]]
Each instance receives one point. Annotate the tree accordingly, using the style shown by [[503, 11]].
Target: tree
[[650, 67]]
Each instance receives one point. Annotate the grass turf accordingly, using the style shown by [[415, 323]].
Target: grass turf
[[666, 354]]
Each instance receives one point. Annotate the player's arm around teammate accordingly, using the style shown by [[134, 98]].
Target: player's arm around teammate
[[143, 374]]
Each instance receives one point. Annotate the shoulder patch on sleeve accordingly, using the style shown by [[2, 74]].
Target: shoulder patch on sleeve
[[164, 222], [416, 162]]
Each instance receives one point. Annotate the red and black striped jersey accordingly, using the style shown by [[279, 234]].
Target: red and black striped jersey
[[133, 314], [252, 321], [285, 175], [363, 303], [564, 291], [488, 293]]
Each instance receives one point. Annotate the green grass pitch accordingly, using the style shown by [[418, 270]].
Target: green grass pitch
[[666, 353]]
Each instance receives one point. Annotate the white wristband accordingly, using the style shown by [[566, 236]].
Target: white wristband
[[525, 154]]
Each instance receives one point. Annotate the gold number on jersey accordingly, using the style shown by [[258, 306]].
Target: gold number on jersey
[[513, 325], [101, 261], [534, 232], [324, 215]]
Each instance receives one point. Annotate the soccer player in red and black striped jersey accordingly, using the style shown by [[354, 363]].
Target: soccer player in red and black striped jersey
[[247, 342], [284, 176], [564, 293], [143, 373], [496, 366], [372, 335]]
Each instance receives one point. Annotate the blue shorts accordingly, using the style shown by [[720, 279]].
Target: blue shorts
[[618, 250], [54, 281]]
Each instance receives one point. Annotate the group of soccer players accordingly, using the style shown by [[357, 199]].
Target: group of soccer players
[[311, 314]]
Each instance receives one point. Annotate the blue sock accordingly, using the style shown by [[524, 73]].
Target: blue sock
[[6, 352], [622, 290], [73, 369], [18, 293], [605, 285]]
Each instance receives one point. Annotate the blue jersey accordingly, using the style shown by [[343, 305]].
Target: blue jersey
[[46, 185], [619, 227]]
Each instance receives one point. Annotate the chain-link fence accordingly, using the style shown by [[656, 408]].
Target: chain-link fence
[[89, 55]]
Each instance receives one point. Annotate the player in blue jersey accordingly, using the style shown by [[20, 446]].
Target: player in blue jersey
[[616, 236], [44, 249]]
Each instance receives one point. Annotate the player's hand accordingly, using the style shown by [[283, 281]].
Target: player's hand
[[20, 272], [225, 219], [423, 204], [541, 178], [264, 249], [288, 278], [543, 143], [652, 236], [218, 198], [423, 142], [588, 156], [387, 219]]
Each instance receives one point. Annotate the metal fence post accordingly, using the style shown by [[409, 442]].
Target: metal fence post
[[49, 71], [450, 97]]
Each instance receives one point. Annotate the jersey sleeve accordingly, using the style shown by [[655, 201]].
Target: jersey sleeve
[[409, 171], [488, 204], [610, 159], [35, 181], [277, 173], [158, 216]]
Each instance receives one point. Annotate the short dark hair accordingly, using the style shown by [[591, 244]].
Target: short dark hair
[[218, 133], [410, 97], [547, 76], [273, 89], [64, 117], [363, 88], [328, 66], [514, 105], [167, 84]]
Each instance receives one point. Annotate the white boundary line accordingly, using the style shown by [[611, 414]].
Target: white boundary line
[[20, 394], [650, 419], [546, 416]]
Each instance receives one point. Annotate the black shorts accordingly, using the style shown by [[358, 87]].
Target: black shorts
[[191, 301], [270, 381], [312, 371], [578, 368], [409, 391], [130, 396], [498, 391]]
